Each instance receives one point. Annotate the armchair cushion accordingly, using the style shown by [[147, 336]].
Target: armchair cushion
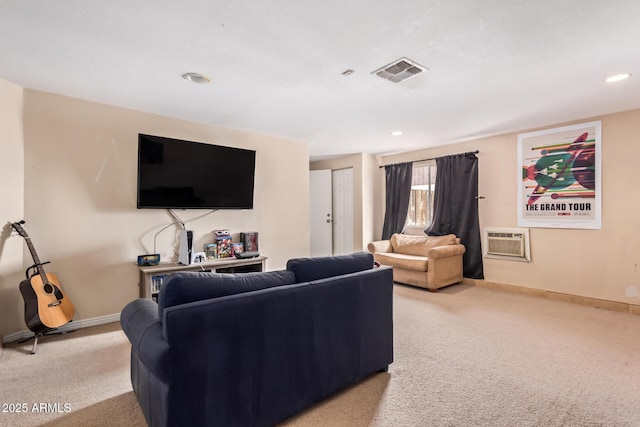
[[410, 262], [419, 245]]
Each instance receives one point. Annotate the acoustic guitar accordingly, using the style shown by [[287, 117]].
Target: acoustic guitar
[[46, 307]]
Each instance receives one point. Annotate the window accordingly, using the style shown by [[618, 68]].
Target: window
[[422, 190]]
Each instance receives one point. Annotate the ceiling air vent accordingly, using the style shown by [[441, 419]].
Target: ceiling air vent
[[400, 70]]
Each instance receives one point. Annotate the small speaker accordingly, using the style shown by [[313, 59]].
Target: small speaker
[[185, 255], [250, 241], [149, 259]]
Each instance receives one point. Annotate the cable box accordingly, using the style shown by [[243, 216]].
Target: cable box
[[246, 255]]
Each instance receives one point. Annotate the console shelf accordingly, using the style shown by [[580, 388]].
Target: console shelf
[[151, 276]]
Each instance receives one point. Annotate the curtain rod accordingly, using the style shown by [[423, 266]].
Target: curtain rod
[[434, 158]]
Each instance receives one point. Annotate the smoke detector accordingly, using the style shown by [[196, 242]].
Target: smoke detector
[[196, 78], [400, 70]]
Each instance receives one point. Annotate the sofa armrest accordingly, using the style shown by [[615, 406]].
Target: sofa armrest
[[137, 317], [140, 323], [380, 246], [445, 251], [444, 266]]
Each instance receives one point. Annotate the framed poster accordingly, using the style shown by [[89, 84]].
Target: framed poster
[[559, 182]]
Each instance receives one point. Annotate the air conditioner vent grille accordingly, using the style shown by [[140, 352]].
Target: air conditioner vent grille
[[400, 70], [507, 244]]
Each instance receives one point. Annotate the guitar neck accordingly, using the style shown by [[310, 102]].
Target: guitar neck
[[36, 259]]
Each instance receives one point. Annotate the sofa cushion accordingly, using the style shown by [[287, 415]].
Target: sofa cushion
[[419, 245], [181, 288], [308, 269], [408, 262]]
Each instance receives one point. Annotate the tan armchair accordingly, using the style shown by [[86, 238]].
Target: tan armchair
[[430, 262]]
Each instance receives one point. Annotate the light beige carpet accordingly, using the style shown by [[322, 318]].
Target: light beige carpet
[[77, 379], [465, 356]]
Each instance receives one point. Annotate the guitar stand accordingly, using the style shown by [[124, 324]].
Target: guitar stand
[[41, 334], [31, 271]]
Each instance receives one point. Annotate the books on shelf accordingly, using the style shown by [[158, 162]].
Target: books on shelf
[[156, 283]]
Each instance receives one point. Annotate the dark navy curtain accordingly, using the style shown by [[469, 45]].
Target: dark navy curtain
[[398, 190], [456, 208]]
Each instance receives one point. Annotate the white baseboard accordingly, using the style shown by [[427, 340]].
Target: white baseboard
[[71, 326]]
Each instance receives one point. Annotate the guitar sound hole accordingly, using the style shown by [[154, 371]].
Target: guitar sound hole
[[48, 288]]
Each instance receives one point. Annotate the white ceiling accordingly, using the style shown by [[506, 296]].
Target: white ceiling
[[495, 66]]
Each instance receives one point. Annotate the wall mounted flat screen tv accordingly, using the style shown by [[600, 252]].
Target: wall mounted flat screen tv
[[178, 174]]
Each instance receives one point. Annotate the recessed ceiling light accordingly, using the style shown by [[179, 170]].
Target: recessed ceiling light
[[396, 133], [196, 78], [617, 78]]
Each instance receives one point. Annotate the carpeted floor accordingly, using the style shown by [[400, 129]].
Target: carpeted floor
[[465, 356], [77, 379]]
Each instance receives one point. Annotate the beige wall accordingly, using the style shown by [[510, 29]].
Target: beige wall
[[69, 169], [371, 195], [11, 206], [364, 172], [80, 162], [602, 264]]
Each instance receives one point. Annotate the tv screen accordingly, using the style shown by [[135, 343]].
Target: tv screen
[[173, 173]]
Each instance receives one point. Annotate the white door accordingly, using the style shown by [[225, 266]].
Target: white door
[[320, 215], [342, 211]]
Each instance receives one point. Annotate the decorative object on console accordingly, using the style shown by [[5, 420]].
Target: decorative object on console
[[149, 259], [211, 250], [250, 240], [224, 242], [199, 257]]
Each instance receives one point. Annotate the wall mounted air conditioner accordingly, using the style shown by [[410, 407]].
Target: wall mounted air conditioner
[[507, 243]]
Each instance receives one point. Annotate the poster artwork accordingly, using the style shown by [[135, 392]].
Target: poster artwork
[[559, 177]]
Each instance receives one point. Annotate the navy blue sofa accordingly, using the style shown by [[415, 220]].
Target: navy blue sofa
[[254, 349]]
